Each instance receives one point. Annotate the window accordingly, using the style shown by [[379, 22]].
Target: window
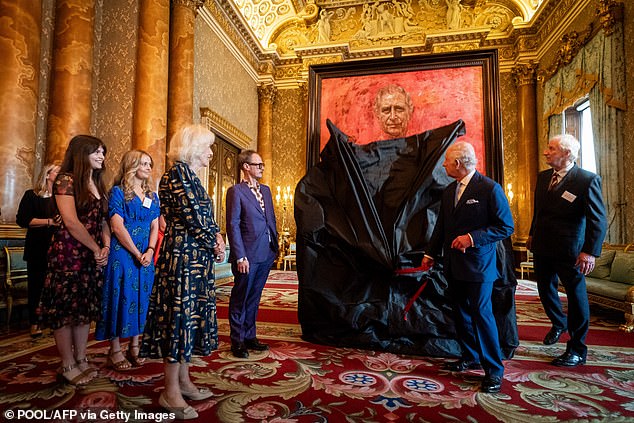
[[578, 122]]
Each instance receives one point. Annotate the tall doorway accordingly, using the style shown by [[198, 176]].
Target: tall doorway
[[223, 173]]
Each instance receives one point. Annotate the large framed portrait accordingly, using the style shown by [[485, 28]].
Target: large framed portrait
[[364, 100]]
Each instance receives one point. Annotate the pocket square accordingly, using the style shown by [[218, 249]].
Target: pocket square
[[472, 201]]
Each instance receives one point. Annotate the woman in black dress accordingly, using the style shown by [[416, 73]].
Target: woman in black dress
[[38, 214]]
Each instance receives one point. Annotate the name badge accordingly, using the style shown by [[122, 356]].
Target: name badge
[[147, 203], [568, 196]]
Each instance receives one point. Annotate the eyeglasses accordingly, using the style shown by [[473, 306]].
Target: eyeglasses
[[258, 165]]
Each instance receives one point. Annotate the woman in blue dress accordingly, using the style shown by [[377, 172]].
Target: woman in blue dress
[[133, 211], [182, 312]]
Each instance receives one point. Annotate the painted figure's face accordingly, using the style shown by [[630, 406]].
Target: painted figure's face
[[393, 114]]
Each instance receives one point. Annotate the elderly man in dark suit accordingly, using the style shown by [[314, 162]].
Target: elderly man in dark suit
[[474, 216], [566, 235], [252, 234]]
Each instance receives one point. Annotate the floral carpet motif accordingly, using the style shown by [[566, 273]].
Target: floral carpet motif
[[296, 381]]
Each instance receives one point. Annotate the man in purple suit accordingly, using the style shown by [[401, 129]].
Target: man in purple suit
[[252, 234]]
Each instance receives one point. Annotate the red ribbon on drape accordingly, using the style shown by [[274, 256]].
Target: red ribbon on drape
[[410, 270]]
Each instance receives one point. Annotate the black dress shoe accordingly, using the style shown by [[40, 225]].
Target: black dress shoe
[[569, 359], [553, 336], [462, 365], [491, 384], [254, 344], [240, 351]]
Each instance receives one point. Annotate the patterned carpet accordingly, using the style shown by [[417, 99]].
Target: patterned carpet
[[301, 382]]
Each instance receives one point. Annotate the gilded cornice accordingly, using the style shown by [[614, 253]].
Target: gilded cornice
[[521, 30], [570, 45], [190, 4], [525, 74], [222, 126]]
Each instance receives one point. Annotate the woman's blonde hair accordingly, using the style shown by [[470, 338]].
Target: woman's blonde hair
[[41, 187], [189, 142], [130, 163]]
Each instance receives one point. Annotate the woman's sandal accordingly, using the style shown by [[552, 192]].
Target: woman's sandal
[[88, 371], [76, 381], [121, 365], [134, 359]]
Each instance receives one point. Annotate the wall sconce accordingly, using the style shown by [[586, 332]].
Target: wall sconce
[[509, 192], [284, 199]]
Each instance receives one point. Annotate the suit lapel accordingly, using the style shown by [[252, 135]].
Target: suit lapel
[[469, 190], [251, 197]]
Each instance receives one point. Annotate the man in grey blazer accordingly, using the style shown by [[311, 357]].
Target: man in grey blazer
[[566, 235], [252, 233]]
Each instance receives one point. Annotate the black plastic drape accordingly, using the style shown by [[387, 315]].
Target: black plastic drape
[[363, 212]]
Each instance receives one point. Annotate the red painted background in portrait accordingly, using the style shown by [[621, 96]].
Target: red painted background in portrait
[[440, 97]]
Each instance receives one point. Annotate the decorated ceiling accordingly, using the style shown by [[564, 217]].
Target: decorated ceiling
[[282, 37]]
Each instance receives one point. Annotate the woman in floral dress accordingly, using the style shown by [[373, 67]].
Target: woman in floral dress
[[182, 313], [133, 211], [72, 290]]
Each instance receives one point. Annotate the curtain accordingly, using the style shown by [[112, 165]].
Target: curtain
[[598, 70]]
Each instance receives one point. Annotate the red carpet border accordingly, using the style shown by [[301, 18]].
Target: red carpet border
[[301, 382]]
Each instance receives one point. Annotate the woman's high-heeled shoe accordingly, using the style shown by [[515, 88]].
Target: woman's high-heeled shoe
[[198, 394], [186, 413]]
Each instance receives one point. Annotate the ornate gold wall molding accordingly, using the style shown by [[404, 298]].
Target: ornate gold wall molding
[[609, 13], [571, 44], [222, 126], [192, 4], [525, 74]]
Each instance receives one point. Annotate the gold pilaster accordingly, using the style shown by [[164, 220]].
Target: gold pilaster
[[149, 125], [19, 82], [180, 101], [71, 81], [525, 77], [266, 98]]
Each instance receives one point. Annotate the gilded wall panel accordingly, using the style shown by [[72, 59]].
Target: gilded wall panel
[[117, 41], [222, 84], [508, 104], [289, 147]]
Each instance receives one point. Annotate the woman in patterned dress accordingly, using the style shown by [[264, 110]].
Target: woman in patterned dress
[[182, 313], [133, 210], [72, 290]]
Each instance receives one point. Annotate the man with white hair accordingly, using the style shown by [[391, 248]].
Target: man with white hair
[[474, 215], [566, 235]]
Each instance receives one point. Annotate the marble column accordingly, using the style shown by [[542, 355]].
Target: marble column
[[266, 99], [149, 122], [180, 103], [72, 75], [525, 78], [19, 85]]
